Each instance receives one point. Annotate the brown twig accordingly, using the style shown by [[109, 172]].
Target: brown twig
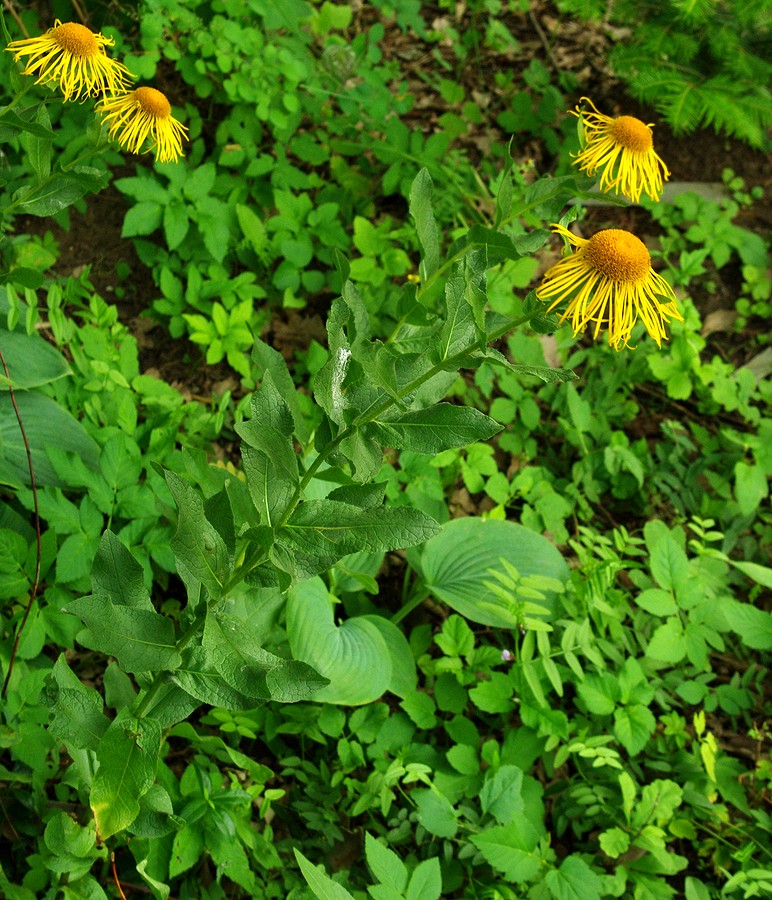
[[33, 485], [115, 876], [9, 8]]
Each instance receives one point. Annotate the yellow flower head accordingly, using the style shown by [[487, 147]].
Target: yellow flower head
[[74, 57], [609, 281], [623, 149], [142, 113]]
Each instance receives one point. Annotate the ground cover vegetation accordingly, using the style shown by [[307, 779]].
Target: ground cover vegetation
[[384, 511]]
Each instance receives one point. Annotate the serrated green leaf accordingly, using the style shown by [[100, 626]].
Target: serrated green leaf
[[426, 881], [633, 726], [511, 849], [437, 428], [385, 865], [501, 795], [574, 880]]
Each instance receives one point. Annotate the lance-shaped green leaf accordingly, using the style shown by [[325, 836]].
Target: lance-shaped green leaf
[[437, 428], [328, 384], [116, 575], [426, 227], [172, 703], [78, 720], [128, 757], [252, 671], [198, 677], [269, 459], [199, 549], [550, 376], [319, 533], [270, 361], [141, 640], [459, 330], [365, 452]]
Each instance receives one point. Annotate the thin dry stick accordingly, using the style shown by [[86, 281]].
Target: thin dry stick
[[17, 18], [35, 583]]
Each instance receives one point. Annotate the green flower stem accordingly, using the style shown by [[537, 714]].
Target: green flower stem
[[449, 362], [162, 677]]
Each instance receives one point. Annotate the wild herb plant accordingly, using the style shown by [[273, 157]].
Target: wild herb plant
[[594, 681]]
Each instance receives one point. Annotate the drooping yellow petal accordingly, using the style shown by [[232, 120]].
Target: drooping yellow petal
[[623, 149], [609, 282], [141, 114], [73, 57]]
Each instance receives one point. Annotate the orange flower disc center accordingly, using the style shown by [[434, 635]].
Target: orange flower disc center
[[76, 39], [618, 255], [153, 102], [632, 134]]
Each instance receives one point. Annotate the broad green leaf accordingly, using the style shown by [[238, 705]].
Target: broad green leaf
[[253, 671], [31, 361], [657, 602], [501, 795], [457, 563], [435, 812], [199, 549], [668, 643], [117, 576], [659, 801], [198, 677], [760, 574], [46, 424], [511, 849], [127, 756], [385, 865], [752, 624], [426, 227], [323, 887], [599, 693], [141, 640], [574, 880], [751, 487], [404, 678], [78, 719], [319, 533], [54, 194], [633, 726], [614, 842], [353, 656], [437, 428], [72, 847], [187, 847], [667, 561], [365, 451], [12, 120]]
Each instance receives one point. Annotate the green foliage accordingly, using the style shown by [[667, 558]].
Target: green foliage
[[353, 646]]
